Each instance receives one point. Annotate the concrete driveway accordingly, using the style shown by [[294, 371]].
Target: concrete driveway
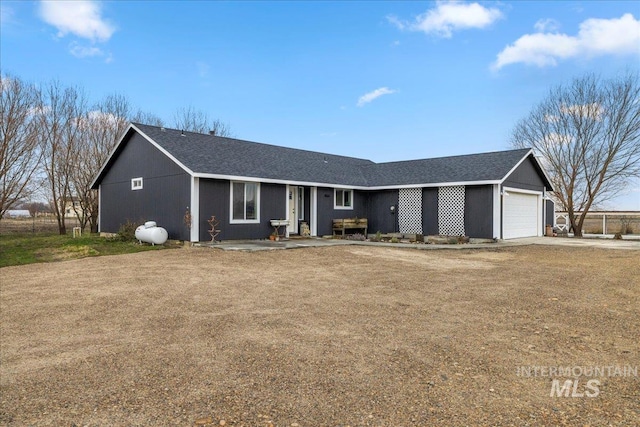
[[262, 245]]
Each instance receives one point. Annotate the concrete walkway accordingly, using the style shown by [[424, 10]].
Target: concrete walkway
[[295, 243]]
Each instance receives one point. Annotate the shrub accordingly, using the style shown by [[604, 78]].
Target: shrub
[[357, 236], [127, 231], [377, 237]]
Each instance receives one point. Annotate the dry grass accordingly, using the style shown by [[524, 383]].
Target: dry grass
[[317, 337]]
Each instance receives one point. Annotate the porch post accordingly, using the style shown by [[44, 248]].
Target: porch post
[[313, 215], [287, 209], [195, 210], [497, 212]]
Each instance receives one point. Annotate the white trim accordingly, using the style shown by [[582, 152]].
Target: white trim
[[135, 182], [335, 199], [244, 221], [339, 186], [313, 217], [145, 136], [516, 166], [99, 208], [111, 153], [287, 207], [300, 206], [544, 172], [165, 152], [541, 224], [530, 152], [544, 211], [195, 210], [429, 185], [521, 190], [497, 232]]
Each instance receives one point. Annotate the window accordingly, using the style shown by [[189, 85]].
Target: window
[[343, 199], [136, 183], [245, 201]]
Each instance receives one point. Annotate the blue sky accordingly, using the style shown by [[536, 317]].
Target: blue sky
[[380, 80]]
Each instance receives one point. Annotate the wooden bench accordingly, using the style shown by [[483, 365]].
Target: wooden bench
[[344, 224]]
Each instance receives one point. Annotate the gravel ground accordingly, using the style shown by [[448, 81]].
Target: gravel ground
[[338, 336]]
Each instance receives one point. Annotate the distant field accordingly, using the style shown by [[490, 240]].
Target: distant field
[[41, 224]]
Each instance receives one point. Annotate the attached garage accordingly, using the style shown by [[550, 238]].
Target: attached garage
[[522, 214], [496, 195]]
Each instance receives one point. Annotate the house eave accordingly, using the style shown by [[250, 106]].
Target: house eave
[[334, 185]]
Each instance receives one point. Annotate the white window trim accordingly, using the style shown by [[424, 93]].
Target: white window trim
[[244, 221], [335, 199], [134, 183]]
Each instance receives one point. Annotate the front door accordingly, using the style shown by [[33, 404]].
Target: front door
[[293, 209]]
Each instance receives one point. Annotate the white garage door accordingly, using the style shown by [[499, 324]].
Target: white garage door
[[521, 216]]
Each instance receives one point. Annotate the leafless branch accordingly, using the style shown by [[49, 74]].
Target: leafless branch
[[589, 136]]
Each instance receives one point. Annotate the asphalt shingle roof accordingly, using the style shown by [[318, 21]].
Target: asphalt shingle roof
[[207, 154], [203, 153], [467, 168]]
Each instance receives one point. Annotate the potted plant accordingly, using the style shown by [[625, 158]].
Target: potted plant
[[274, 236]]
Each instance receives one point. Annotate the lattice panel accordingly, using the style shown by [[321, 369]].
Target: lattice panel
[[451, 210], [410, 210]]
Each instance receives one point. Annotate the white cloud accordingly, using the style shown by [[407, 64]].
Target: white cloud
[[81, 18], [596, 37], [368, 97], [604, 36], [547, 25], [450, 16], [84, 51]]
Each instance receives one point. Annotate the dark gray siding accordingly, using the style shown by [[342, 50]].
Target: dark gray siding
[[379, 214], [326, 212], [307, 205], [164, 197], [430, 211], [550, 213], [525, 176], [214, 200], [478, 211]]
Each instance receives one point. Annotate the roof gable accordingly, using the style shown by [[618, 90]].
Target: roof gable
[[206, 155], [484, 167]]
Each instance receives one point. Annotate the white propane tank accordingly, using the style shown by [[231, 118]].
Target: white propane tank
[[151, 233]]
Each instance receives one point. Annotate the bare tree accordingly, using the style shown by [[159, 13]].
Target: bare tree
[[100, 129], [146, 118], [192, 120], [19, 154], [60, 114], [219, 128], [588, 134]]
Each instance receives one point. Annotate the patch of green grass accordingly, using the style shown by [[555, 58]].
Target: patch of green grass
[[20, 249]]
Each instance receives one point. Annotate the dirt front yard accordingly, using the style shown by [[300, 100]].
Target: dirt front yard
[[337, 336]]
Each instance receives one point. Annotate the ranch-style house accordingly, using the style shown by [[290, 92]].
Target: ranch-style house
[[156, 173]]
